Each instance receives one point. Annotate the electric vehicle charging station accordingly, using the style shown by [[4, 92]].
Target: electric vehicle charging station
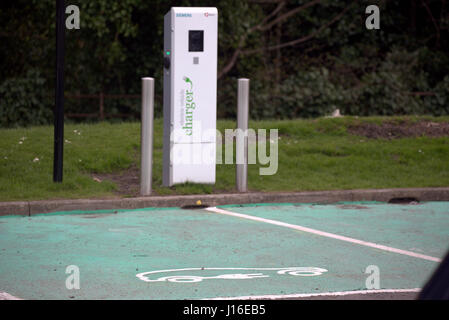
[[190, 95]]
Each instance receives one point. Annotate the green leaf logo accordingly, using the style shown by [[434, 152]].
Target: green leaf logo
[[187, 80]]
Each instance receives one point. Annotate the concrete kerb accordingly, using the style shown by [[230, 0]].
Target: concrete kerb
[[28, 208], [15, 208]]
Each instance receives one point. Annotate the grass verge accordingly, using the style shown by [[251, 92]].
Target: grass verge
[[317, 154]]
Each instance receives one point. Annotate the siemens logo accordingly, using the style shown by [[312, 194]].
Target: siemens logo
[[189, 15]]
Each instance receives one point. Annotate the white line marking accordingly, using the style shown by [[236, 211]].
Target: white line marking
[[323, 294], [325, 234], [7, 296]]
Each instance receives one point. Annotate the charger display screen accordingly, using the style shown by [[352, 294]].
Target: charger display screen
[[196, 40]]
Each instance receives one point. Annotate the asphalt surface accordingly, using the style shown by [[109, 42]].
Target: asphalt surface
[[273, 251]]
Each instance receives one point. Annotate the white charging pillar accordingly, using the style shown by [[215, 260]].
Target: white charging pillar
[[190, 95]]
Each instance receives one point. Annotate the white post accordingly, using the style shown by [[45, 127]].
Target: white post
[[146, 138], [241, 151]]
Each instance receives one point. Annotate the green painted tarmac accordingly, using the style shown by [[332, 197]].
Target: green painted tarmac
[[112, 249]]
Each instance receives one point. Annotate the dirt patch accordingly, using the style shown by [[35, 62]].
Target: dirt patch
[[395, 130], [128, 181]]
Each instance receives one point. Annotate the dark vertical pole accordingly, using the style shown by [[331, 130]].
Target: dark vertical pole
[[59, 92]]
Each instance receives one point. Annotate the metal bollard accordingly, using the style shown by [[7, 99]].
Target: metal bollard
[[146, 138], [241, 178]]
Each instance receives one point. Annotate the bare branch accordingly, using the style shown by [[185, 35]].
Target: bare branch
[[435, 24], [230, 64], [242, 40], [265, 1], [288, 14], [272, 14], [262, 27], [300, 40]]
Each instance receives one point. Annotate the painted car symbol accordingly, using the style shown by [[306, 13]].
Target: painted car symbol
[[292, 271]]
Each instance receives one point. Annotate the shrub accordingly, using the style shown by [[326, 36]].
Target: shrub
[[25, 101]]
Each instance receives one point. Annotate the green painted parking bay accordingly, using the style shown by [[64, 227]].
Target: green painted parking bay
[[231, 251]]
